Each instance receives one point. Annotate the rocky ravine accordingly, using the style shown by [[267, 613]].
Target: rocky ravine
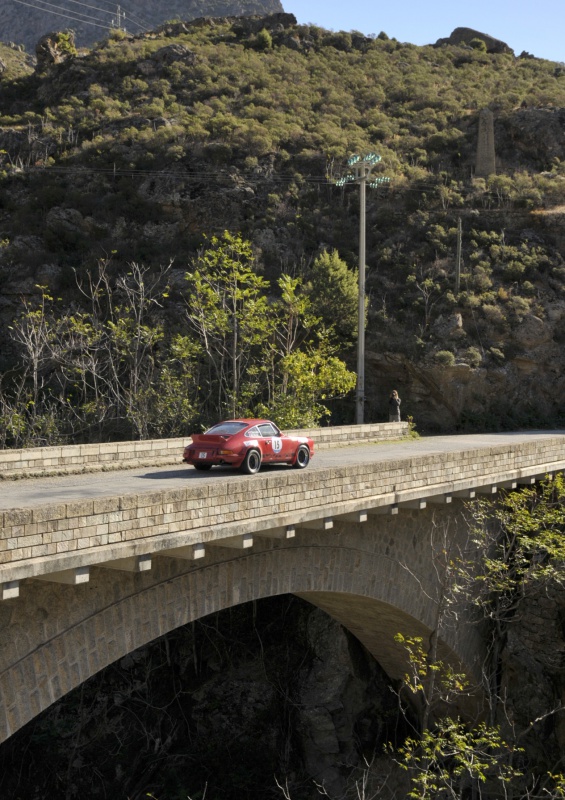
[[266, 692], [275, 691]]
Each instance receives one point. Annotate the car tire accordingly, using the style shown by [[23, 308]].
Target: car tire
[[302, 457], [251, 463], [202, 467]]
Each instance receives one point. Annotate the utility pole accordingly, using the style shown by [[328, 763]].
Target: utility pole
[[458, 258], [120, 17], [362, 166]]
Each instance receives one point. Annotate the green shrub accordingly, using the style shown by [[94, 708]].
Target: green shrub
[[494, 314], [473, 357], [496, 355], [445, 358], [478, 44], [264, 40]]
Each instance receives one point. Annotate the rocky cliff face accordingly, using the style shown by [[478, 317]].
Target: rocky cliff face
[[24, 25], [500, 393]]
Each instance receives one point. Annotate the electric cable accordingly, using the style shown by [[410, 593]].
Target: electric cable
[[60, 14], [141, 22], [80, 16]]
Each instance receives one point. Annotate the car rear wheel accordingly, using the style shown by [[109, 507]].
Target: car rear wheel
[[302, 457], [202, 467], [251, 462]]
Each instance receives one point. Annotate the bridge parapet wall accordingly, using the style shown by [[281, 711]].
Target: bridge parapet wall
[[89, 532], [66, 459]]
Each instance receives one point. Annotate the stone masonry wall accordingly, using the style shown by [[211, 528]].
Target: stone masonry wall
[[377, 578], [87, 532], [63, 459]]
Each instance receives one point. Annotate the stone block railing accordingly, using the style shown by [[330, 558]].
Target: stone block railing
[[88, 532], [66, 459]]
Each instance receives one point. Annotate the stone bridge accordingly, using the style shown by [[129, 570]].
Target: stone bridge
[[89, 577]]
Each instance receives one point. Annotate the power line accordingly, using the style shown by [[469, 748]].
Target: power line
[[80, 16], [203, 174], [86, 5], [140, 21], [66, 15], [319, 180]]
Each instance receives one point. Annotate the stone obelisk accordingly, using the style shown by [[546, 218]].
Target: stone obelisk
[[486, 160]]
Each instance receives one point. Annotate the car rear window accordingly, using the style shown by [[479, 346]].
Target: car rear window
[[227, 428]]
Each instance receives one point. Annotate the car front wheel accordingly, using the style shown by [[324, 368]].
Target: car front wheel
[[251, 462], [302, 457]]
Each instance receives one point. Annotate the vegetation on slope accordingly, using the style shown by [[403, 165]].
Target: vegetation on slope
[[143, 146]]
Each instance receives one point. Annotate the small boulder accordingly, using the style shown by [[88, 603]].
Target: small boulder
[[451, 326], [532, 332], [173, 52]]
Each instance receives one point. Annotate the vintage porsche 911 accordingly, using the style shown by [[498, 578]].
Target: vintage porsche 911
[[247, 444]]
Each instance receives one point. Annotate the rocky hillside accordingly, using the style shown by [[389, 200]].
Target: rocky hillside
[[26, 25], [145, 145]]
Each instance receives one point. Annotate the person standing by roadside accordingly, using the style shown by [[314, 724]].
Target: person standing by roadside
[[394, 407]]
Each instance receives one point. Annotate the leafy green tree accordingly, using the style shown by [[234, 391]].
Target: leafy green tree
[[264, 40], [521, 545], [519, 549], [227, 308], [271, 356], [452, 759], [334, 293], [310, 376]]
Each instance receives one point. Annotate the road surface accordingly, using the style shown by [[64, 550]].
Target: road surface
[[34, 492]]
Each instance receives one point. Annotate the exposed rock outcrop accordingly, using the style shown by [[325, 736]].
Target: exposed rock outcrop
[[55, 48], [466, 36]]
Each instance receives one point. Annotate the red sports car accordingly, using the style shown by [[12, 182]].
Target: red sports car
[[247, 443]]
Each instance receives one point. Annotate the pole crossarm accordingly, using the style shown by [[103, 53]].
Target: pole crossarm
[[362, 168]]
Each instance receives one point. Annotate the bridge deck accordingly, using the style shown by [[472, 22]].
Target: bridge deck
[[160, 547], [36, 492], [58, 528]]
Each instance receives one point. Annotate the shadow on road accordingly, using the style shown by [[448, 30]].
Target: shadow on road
[[216, 472]]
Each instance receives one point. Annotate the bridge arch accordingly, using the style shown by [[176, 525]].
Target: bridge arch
[[376, 579]]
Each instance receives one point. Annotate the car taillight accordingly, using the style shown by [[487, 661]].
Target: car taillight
[[226, 452]]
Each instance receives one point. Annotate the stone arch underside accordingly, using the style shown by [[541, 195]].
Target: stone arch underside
[[77, 631]]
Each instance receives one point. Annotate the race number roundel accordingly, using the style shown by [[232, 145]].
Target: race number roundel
[[277, 445]]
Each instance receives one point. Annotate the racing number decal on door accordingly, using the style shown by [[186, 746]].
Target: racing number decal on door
[[277, 445]]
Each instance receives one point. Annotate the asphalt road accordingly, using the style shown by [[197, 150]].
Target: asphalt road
[[33, 492]]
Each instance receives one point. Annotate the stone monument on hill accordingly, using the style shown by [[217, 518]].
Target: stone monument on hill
[[485, 164]]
